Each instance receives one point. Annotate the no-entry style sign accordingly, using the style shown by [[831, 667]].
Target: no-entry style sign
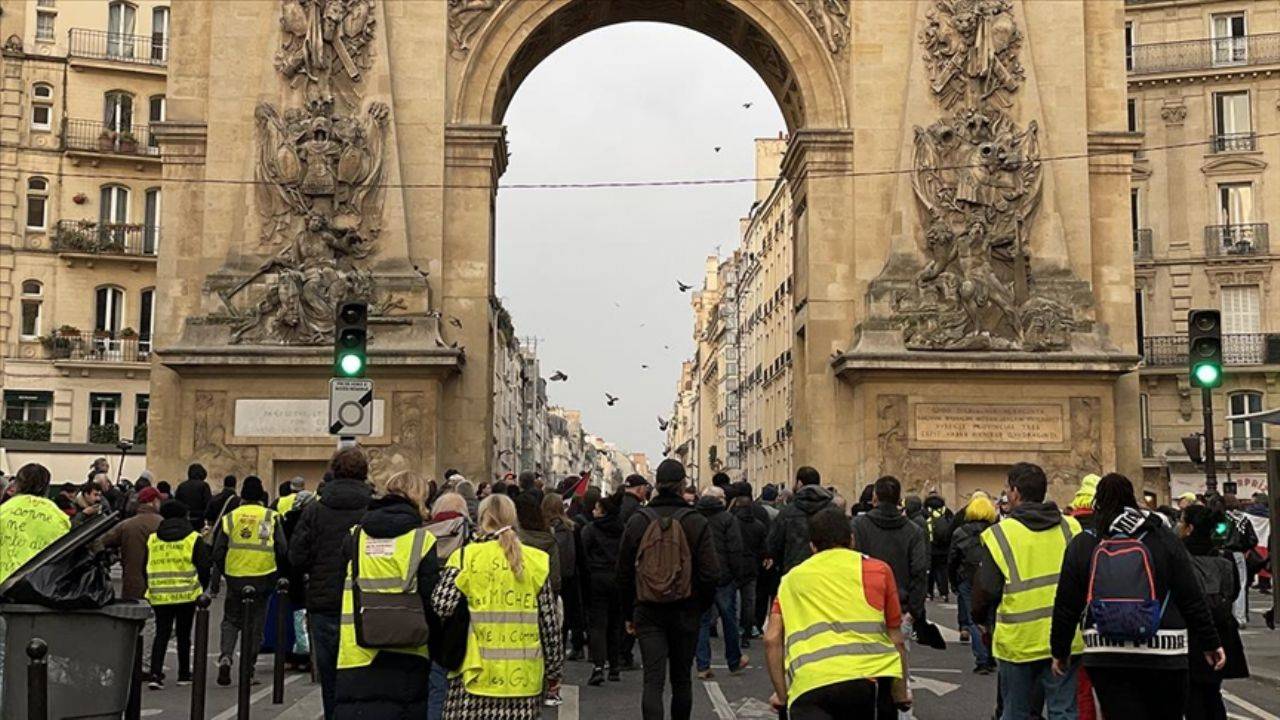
[[350, 406]]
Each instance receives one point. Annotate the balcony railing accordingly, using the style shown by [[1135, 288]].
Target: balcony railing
[[92, 348], [87, 236], [119, 47], [1237, 349], [96, 136], [1142, 244], [1234, 142], [1205, 53], [1247, 444], [1236, 239]]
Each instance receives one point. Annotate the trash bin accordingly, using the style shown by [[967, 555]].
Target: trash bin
[[90, 658]]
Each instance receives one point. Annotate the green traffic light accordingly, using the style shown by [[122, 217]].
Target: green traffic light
[[351, 364], [1220, 530], [1208, 374]]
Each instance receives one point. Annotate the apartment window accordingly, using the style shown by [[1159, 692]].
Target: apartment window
[[151, 221], [117, 111], [103, 408], [1233, 127], [1240, 309], [113, 206], [27, 405], [37, 203], [42, 107], [142, 409], [1235, 203], [1247, 434], [159, 33], [121, 20], [155, 114], [1144, 415], [108, 310], [1140, 319], [1128, 46], [1134, 221], [44, 25], [32, 299], [146, 319], [1230, 41]]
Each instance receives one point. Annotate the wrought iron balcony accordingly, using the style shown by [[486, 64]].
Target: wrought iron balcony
[[1247, 444], [1234, 142], [95, 136], [1237, 349], [1236, 239], [119, 47], [87, 236], [1142, 244], [97, 347], [1204, 54]]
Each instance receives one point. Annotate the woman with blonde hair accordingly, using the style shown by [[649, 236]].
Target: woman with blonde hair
[[515, 646], [962, 562]]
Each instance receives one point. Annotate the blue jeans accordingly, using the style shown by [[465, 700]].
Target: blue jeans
[[324, 636], [1017, 680], [981, 653], [439, 685], [726, 608]]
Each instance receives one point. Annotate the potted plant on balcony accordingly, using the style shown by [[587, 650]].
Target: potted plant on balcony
[[107, 140], [128, 143]]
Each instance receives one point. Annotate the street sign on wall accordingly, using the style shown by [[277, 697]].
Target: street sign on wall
[[350, 406]]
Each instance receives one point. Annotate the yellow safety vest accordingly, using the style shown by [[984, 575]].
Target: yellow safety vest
[[504, 648], [171, 574], [28, 524], [1030, 562], [285, 504], [386, 565], [833, 634], [251, 541]]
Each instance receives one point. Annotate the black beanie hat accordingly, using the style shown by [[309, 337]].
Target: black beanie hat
[[252, 490], [670, 472], [171, 509]]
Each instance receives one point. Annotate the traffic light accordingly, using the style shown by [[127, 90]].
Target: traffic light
[[1204, 348], [1192, 444], [350, 337]]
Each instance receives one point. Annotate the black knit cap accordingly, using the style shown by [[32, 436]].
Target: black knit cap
[[670, 472]]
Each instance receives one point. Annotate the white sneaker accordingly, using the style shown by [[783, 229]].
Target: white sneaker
[[553, 701]]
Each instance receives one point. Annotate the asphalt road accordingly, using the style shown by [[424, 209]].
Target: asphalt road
[[945, 689]]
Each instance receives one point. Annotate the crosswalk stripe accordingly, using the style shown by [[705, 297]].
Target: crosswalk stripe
[[254, 698], [1246, 705], [569, 703], [719, 701]]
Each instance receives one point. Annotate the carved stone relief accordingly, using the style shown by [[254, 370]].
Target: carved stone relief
[[831, 19], [1174, 114], [1084, 457], [914, 468], [319, 191], [408, 439], [978, 181], [209, 444], [466, 18]]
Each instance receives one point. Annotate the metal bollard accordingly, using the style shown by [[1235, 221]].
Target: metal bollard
[[200, 664], [133, 711], [38, 680], [282, 616], [247, 636]]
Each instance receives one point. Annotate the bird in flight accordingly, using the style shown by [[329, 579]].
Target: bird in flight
[[683, 287], [717, 148], [644, 366], [746, 105], [558, 376], [610, 400], [662, 424]]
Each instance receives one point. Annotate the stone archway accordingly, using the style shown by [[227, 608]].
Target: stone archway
[[800, 51]]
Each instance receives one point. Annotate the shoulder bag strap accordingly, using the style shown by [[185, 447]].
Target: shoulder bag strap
[[415, 559], [355, 559]]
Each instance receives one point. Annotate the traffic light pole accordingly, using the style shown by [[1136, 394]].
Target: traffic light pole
[[1210, 464]]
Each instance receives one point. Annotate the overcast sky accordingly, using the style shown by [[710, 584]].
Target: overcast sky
[[592, 273]]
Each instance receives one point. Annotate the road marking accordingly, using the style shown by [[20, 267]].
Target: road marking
[[719, 701], [310, 707], [948, 671], [755, 709], [152, 712], [1246, 705], [569, 705], [264, 692], [937, 687]]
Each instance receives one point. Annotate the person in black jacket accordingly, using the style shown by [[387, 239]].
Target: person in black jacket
[[315, 550], [194, 492], [754, 534], [788, 542], [635, 492], [224, 502], [600, 541], [727, 536], [668, 632], [1135, 681], [395, 684], [887, 535], [1217, 578], [962, 564]]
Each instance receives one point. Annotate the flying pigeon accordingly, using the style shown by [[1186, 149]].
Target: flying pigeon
[[717, 148], [643, 366], [683, 287], [558, 376], [746, 105], [662, 424], [610, 400]]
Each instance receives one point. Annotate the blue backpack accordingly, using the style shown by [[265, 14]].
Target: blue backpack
[[1122, 591]]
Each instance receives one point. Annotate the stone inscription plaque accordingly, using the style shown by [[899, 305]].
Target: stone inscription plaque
[[963, 422], [288, 418]]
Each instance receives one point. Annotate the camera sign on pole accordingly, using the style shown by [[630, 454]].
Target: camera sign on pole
[[350, 406]]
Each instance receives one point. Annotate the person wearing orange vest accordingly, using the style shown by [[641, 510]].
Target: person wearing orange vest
[[835, 630]]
